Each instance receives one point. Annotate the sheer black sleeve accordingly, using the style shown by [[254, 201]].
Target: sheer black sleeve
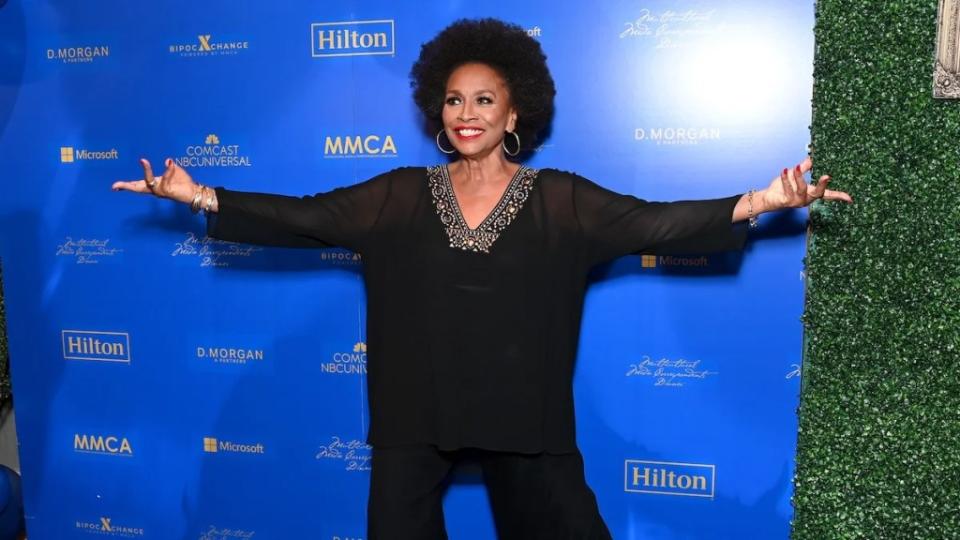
[[341, 217], [614, 224]]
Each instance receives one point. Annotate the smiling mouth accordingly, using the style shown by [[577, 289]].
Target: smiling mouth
[[468, 133]]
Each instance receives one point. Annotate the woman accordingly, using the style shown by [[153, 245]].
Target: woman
[[475, 269]]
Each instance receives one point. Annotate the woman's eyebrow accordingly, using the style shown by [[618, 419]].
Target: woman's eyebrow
[[482, 90]]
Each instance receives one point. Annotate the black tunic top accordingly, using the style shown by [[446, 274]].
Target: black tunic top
[[472, 334]]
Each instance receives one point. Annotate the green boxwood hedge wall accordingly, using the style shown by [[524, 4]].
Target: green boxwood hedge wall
[[4, 355], [879, 442]]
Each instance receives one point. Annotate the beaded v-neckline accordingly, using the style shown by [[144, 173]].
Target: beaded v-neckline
[[456, 202], [480, 238]]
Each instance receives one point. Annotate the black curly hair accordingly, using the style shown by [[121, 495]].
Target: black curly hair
[[506, 48]]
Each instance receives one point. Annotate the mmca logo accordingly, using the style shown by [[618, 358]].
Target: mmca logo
[[106, 527], [99, 346], [669, 478], [212, 445], [352, 38], [359, 146], [99, 444]]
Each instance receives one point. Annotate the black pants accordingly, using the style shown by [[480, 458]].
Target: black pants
[[533, 496]]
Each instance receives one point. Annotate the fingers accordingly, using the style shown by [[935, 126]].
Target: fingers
[[787, 185], [137, 186], [798, 193], [831, 195], [148, 177], [818, 190], [799, 182], [144, 186], [170, 170]]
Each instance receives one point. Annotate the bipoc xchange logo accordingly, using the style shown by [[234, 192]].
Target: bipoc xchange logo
[[207, 46], [106, 527]]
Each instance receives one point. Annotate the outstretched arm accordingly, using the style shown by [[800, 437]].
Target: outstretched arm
[[614, 224], [340, 217]]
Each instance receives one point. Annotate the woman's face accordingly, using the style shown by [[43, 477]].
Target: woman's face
[[477, 110]]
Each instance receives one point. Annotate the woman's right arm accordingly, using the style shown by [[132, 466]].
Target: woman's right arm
[[340, 217]]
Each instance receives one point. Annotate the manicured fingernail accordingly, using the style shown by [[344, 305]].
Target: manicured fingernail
[[784, 173]]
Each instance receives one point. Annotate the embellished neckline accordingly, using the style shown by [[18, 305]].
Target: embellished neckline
[[482, 237]]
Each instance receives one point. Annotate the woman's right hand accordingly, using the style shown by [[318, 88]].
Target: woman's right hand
[[175, 183]]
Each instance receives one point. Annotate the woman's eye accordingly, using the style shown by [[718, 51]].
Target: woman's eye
[[452, 100], [484, 100]]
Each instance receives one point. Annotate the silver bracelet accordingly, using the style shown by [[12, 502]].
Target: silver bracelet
[[210, 197], [195, 204], [750, 217]]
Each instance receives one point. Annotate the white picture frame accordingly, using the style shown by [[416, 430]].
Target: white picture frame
[[946, 76]]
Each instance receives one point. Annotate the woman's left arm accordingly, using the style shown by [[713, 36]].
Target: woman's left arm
[[614, 224]]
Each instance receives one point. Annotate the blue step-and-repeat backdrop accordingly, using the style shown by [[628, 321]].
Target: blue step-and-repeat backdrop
[[172, 386]]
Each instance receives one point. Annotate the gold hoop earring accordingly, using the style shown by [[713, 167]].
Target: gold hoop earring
[[504, 144], [441, 146]]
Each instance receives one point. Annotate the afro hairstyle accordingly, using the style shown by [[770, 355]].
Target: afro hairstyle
[[506, 48]]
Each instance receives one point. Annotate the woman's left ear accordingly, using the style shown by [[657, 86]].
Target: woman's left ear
[[512, 124]]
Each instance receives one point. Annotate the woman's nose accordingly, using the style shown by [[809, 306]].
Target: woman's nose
[[466, 113]]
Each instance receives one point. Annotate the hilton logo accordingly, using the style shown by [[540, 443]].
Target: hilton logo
[[101, 346], [213, 446], [352, 38], [105, 527], [669, 478], [357, 146], [98, 444]]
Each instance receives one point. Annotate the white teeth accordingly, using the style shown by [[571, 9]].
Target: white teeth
[[469, 132]]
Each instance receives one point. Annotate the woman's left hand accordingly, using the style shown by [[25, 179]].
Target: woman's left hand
[[790, 190]]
